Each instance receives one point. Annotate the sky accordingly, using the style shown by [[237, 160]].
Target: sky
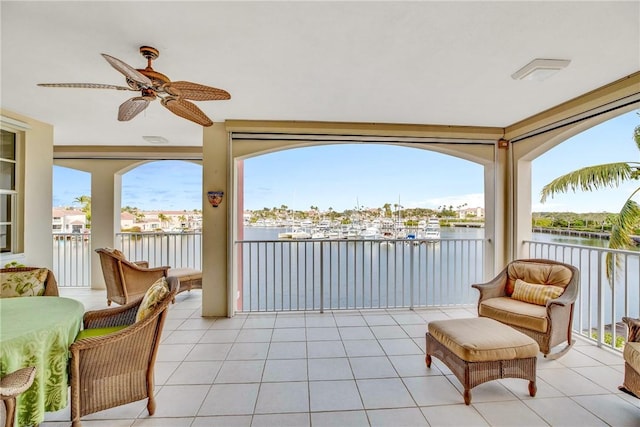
[[347, 176]]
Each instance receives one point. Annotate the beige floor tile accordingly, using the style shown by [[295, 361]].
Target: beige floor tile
[[334, 396], [363, 348], [320, 349], [392, 331], [289, 334], [563, 411], [396, 347], [459, 415], [512, 413], [240, 371], [283, 398], [384, 393], [254, 335], [372, 367], [281, 420], [434, 390], [248, 351], [397, 417], [214, 351], [288, 350], [230, 399], [570, 382], [285, 370], [612, 409], [329, 369], [356, 333], [180, 400], [323, 334], [413, 365], [223, 421], [340, 418], [195, 373], [219, 336]]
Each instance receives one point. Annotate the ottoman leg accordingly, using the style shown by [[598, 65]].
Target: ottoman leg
[[427, 359], [532, 388], [467, 396]]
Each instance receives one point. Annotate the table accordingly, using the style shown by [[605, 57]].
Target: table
[[37, 331], [480, 349]]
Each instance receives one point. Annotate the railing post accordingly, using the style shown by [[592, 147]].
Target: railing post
[[600, 303], [322, 277], [411, 260]]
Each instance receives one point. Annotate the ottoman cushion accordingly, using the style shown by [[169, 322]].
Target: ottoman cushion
[[482, 339]]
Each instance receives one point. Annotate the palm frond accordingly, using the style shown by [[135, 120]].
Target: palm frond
[[591, 178], [636, 136], [621, 232]]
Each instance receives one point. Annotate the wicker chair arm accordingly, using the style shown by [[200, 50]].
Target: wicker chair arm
[[116, 316], [634, 329], [126, 334], [493, 288]]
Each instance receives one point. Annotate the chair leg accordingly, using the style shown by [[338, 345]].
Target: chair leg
[[10, 405]]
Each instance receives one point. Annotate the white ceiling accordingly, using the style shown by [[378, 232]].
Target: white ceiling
[[423, 62]]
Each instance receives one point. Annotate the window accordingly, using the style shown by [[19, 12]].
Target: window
[[9, 192]]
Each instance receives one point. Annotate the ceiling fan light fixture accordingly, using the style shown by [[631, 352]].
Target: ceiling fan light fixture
[[540, 69], [153, 139]]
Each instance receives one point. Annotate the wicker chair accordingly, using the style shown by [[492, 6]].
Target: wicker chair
[[117, 368], [550, 322], [50, 284], [631, 356], [126, 281], [11, 385]]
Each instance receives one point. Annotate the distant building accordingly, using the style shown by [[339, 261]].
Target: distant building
[[471, 213], [68, 221]]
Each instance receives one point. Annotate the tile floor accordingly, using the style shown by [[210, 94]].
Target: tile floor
[[356, 368]]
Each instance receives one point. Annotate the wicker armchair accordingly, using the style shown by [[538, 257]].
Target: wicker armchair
[[50, 284], [549, 322], [117, 368], [125, 280], [12, 385], [631, 356]]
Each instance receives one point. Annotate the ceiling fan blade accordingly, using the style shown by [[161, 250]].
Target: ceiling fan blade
[[85, 86], [186, 110], [132, 107], [128, 71], [195, 91]]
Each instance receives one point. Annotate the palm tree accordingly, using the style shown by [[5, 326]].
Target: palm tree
[[606, 175], [85, 201]]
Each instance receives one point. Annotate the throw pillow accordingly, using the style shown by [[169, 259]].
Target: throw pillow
[[23, 283], [152, 297], [535, 294]]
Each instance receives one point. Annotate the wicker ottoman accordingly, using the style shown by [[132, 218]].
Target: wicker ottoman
[[189, 278], [480, 349]]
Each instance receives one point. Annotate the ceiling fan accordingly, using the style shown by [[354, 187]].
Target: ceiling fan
[[151, 85]]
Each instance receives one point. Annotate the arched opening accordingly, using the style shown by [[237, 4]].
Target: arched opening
[[359, 184]]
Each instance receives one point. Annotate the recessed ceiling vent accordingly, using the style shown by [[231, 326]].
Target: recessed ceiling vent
[[540, 69], [155, 139]]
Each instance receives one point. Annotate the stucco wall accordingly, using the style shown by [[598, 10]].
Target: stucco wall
[[38, 179]]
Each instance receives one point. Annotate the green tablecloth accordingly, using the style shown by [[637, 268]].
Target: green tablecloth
[[37, 331]]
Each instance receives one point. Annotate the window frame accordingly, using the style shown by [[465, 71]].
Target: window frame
[[16, 221]]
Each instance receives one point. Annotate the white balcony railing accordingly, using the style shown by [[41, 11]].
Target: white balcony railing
[[602, 302], [290, 275], [297, 275]]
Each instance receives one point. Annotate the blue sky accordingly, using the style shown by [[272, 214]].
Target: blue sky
[[344, 176]]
